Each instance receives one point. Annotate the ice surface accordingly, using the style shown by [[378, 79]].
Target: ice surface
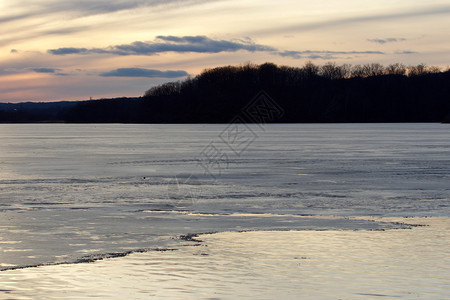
[[71, 190]]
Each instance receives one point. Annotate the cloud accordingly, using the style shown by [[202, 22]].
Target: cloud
[[45, 70], [29, 35], [406, 52], [95, 7], [184, 44], [82, 8], [139, 72], [64, 51], [36, 19], [324, 54], [419, 12], [386, 40], [10, 18]]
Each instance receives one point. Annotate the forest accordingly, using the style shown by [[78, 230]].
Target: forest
[[328, 93]]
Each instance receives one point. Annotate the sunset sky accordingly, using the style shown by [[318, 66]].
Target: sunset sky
[[73, 50]]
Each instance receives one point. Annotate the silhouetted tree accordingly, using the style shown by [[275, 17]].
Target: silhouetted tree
[[395, 69], [310, 70]]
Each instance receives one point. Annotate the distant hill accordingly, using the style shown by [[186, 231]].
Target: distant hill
[[26, 112], [308, 94], [64, 111]]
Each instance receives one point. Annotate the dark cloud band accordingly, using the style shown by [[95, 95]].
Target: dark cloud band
[[184, 44], [45, 70], [140, 72], [386, 40], [324, 54]]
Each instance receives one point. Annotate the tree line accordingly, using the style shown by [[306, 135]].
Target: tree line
[[310, 93]]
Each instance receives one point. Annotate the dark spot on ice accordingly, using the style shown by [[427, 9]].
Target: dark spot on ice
[[377, 295], [190, 237], [408, 226], [165, 249]]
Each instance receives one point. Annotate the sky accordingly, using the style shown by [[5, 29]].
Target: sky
[[53, 50]]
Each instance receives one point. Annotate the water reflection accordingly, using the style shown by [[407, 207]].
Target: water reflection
[[406, 264]]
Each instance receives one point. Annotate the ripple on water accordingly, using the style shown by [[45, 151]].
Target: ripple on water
[[406, 263]]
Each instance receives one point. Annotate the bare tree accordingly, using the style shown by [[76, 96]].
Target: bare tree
[[395, 69], [357, 71], [418, 70], [346, 70], [373, 69], [434, 69], [332, 71], [310, 69], [328, 70], [166, 89]]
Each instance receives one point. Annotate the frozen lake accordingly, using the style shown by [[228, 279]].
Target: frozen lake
[[71, 192], [335, 169]]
